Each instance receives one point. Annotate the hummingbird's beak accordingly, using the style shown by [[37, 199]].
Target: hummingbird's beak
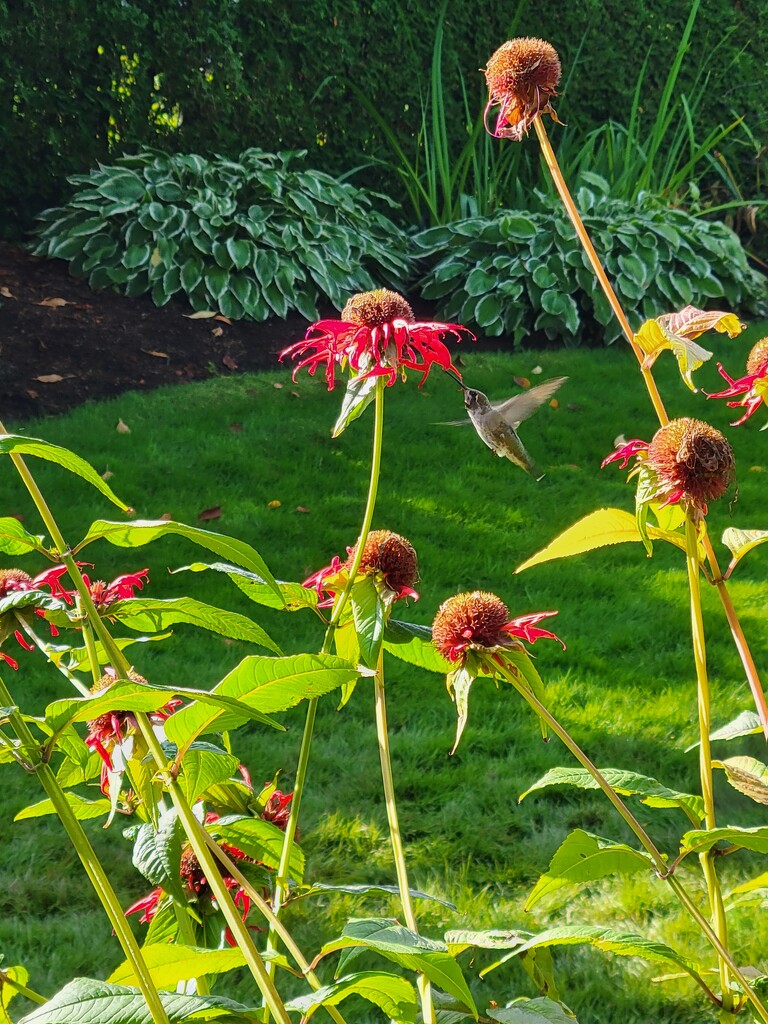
[[452, 373]]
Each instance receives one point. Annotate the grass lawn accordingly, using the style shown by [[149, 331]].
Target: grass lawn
[[625, 686]]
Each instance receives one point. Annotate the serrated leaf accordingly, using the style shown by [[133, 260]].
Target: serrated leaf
[[201, 769], [409, 950], [365, 889], [584, 857], [261, 683], [699, 840], [359, 394], [740, 542], [140, 532], [82, 809], [259, 839], [15, 540], [157, 853], [412, 643], [747, 775], [156, 614], [369, 614], [651, 792], [170, 964], [599, 529], [745, 724], [394, 996], [13, 444], [532, 1011], [290, 597]]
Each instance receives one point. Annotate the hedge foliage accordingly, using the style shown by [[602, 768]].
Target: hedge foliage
[[80, 79], [253, 237], [518, 273]]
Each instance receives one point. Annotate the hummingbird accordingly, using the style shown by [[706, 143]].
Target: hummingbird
[[497, 422]]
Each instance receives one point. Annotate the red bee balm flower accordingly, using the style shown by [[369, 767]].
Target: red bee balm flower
[[753, 387], [11, 581], [388, 557], [480, 621], [690, 462], [521, 76], [377, 336]]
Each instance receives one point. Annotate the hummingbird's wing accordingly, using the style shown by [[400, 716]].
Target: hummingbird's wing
[[520, 407]]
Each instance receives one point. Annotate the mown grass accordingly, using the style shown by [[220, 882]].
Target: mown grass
[[625, 686]]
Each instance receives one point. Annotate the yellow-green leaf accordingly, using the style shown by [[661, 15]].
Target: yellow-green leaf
[[748, 775]]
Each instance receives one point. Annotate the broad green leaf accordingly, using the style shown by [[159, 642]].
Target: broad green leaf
[[17, 974], [78, 659], [14, 539], [11, 444], [598, 529], [369, 613], [745, 724], [748, 776], [290, 597], [409, 950], [609, 941], [745, 838], [461, 939], [157, 853], [142, 531], [760, 882], [532, 1011], [86, 1001], [156, 614], [584, 857], [170, 964], [81, 808], [259, 839], [413, 643], [359, 394], [651, 792], [395, 996], [365, 889], [261, 683], [201, 769], [739, 542]]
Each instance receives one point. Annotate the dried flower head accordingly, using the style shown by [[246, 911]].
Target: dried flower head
[[521, 76], [751, 390], [480, 620], [376, 336], [393, 557], [14, 579]]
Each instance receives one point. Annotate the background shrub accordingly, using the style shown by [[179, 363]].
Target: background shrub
[[80, 79], [518, 273], [253, 238]]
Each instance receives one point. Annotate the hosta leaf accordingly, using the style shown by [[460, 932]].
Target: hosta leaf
[[261, 683], [394, 996], [170, 964], [651, 792], [745, 838], [12, 444], [532, 1011], [81, 808], [583, 857], [140, 532], [14, 539], [85, 1001], [359, 394], [156, 614], [408, 950]]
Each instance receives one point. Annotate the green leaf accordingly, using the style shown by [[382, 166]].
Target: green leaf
[[599, 529], [369, 613], [409, 950], [17, 974], [365, 889], [143, 531], [11, 444], [85, 1001], [745, 838], [267, 684], [584, 857], [290, 597], [82, 809], [488, 310], [412, 643], [517, 227], [157, 853], [745, 724], [532, 1011], [479, 282], [156, 614], [201, 769], [170, 964], [239, 251], [627, 783], [123, 187], [259, 839], [747, 775], [739, 542], [14, 539], [395, 996], [459, 682], [359, 394]]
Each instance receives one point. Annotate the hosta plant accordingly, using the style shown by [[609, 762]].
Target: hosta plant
[[253, 238]]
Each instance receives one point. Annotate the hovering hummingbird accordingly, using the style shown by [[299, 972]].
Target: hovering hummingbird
[[497, 422]]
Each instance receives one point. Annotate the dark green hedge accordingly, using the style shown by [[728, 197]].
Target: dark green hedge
[[79, 76]]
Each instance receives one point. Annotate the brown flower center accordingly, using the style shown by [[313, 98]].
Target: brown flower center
[[690, 455], [523, 67], [372, 309], [105, 723], [13, 579], [758, 357], [476, 618], [391, 555]]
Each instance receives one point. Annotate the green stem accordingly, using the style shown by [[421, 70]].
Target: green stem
[[33, 996], [281, 883], [705, 752], [83, 689], [90, 862], [382, 733], [90, 646]]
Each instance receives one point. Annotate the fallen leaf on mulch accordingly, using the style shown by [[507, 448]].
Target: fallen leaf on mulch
[[522, 382], [224, 319], [204, 314], [6, 293], [122, 428], [209, 513], [300, 508], [217, 332], [228, 361], [32, 393], [155, 353], [274, 504], [54, 303], [52, 378]]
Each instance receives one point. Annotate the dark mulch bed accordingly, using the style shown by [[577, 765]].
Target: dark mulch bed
[[62, 344]]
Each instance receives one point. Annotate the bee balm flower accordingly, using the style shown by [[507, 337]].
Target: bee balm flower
[[521, 76], [376, 336], [389, 558], [753, 386]]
